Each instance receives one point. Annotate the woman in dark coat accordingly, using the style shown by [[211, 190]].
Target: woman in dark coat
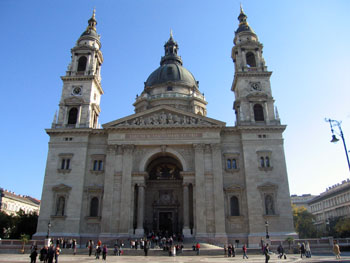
[[43, 254]]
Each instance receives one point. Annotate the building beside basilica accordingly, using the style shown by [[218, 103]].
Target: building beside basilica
[[168, 167]]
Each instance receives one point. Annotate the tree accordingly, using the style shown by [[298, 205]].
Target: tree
[[343, 227], [303, 222], [24, 224], [24, 238], [6, 223]]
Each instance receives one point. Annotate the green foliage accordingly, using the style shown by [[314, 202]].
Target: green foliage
[[342, 227], [14, 226], [304, 222], [290, 241], [6, 223]]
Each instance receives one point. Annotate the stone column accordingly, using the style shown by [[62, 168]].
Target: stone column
[[219, 205], [201, 216], [126, 206], [186, 213], [140, 211], [78, 117], [108, 190]]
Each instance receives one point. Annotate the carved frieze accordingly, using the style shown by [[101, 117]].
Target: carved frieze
[[164, 118]]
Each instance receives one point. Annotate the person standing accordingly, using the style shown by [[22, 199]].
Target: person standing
[[302, 250], [244, 248], [146, 247], [280, 250], [50, 254], [308, 250], [74, 244], [57, 253], [198, 246], [104, 252], [336, 250], [43, 254], [266, 253]]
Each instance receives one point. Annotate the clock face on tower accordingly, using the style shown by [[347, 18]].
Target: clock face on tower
[[76, 91], [255, 86]]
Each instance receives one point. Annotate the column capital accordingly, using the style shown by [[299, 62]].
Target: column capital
[[128, 148], [198, 146], [215, 146], [112, 149]]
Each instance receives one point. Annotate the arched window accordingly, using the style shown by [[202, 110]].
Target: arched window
[[60, 206], [73, 116], [234, 206], [94, 206], [262, 162], [269, 205], [250, 59], [82, 63], [228, 164], [234, 164], [267, 161], [258, 112]]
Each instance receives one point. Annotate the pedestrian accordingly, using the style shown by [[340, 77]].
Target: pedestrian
[[104, 252], [280, 250], [43, 254], [33, 255], [336, 250], [308, 250], [98, 252], [50, 254], [266, 253], [198, 246], [233, 250], [244, 248], [90, 246], [74, 244], [57, 253], [302, 250], [146, 247]]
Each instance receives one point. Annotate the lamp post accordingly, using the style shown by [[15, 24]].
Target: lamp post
[[267, 229], [335, 139], [48, 230]]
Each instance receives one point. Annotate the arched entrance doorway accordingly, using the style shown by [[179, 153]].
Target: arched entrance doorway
[[164, 196]]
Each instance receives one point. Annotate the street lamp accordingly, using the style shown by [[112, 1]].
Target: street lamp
[[267, 229], [335, 139], [48, 229]]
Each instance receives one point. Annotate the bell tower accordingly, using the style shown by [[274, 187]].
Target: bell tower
[[81, 93], [254, 104]]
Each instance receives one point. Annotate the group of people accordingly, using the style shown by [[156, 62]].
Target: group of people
[[304, 249], [230, 251], [98, 249], [46, 254]]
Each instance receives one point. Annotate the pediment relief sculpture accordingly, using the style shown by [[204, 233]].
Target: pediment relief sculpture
[[164, 118]]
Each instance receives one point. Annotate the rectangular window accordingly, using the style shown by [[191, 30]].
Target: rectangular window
[[65, 164], [98, 165]]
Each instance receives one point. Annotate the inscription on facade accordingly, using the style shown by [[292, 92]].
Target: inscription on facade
[[164, 136]]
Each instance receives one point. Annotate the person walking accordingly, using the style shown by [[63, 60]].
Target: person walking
[[146, 247], [98, 251], [336, 250], [266, 253], [244, 249], [104, 252], [33, 255], [280, 251], [90, 246]]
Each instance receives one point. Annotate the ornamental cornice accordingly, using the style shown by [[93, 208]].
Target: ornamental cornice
[[255, 128], [84, 78], [75, 131], [164, 127], [253, 74]]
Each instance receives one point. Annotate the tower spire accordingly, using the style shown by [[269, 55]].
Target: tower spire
[[243, 24]]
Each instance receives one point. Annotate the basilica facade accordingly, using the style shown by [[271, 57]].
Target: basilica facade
[[167, 168]]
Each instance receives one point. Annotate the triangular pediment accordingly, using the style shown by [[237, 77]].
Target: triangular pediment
[[164, 116], [234, 188], [268, 185]]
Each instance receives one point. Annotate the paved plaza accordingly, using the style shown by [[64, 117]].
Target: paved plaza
[[17, 258]]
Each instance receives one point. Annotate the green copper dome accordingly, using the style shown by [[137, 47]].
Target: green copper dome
[[171, 69]]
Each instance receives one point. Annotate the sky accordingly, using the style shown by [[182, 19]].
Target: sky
[[306, 46]]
